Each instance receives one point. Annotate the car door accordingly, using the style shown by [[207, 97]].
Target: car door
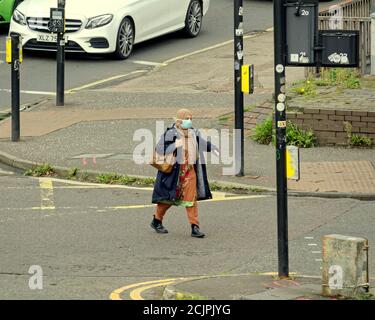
[[151, 17]]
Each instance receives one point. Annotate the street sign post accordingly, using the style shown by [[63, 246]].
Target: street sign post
[[239, 96], [57, 25], [280, 121], [14, 58], [298, 42]]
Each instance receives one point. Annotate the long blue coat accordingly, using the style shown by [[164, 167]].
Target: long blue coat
[[165, 187]]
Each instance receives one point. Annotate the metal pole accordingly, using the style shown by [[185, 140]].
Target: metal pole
[[373, 42], [239, 97], [280, 122], [15, 78], [60, 62]]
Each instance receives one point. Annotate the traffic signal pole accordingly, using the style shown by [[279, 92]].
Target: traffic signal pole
[[15, 79], [60, 61], [280, 123], [239, 96]]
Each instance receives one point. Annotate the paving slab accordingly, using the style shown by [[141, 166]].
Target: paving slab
[[251, 286]]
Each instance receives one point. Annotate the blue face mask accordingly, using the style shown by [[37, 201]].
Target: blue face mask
[[187, 124]]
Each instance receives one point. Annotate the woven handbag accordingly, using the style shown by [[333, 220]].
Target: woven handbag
[[163, 163]]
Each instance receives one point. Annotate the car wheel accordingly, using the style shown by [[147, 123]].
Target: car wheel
[[125, 39], [194, 17]]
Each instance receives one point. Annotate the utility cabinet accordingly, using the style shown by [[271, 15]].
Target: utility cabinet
[[301, 33], [340, 48]]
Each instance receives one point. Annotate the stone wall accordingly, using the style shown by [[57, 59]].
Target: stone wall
[[329, 127]]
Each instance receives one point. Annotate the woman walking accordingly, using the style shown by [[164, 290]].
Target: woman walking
[[187, 183]]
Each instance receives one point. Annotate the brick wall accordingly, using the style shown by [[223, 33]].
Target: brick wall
[[328, 125]]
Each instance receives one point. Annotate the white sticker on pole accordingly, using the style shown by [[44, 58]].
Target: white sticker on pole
[[280, 107], [293, 163], [239, 32], [281, 97], [294, 57], [279, 68]]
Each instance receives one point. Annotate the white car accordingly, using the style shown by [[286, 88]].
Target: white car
[[113, 26]]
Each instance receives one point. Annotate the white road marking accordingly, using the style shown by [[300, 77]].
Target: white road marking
[[3, 172], [41, 93], [221, 44], [96, 83], [2, 52], [318, 260], [312, 244], [147, 63], [97, 185], [317, 252], [309, 238]]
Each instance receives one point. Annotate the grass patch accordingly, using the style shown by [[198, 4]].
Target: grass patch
[[113, 178], [44, 170], [214, 186], [347, 78], [249, 108], [265, 132], [189, 296], [342, 78], [305, 88], [225, 118]]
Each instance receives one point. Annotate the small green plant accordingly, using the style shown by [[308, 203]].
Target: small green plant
[[355, 140], [40, 171], [262, 133], [347, 78], [360, 141], [73, 173], [299, 138], [108, 178], [306, 88]]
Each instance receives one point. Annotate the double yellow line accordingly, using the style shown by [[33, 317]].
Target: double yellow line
[[136, 294], [46, 194]]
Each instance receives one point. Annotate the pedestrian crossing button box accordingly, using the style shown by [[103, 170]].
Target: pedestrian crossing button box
[[301, 32], [57, 20], [340, 48]]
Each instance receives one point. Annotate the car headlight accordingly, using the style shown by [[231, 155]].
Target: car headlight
[[99, 21], [19, 17]]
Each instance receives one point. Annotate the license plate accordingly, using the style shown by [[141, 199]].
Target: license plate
[[46, 38]]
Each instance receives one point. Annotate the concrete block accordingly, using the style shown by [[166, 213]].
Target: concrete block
[[345, 266]]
